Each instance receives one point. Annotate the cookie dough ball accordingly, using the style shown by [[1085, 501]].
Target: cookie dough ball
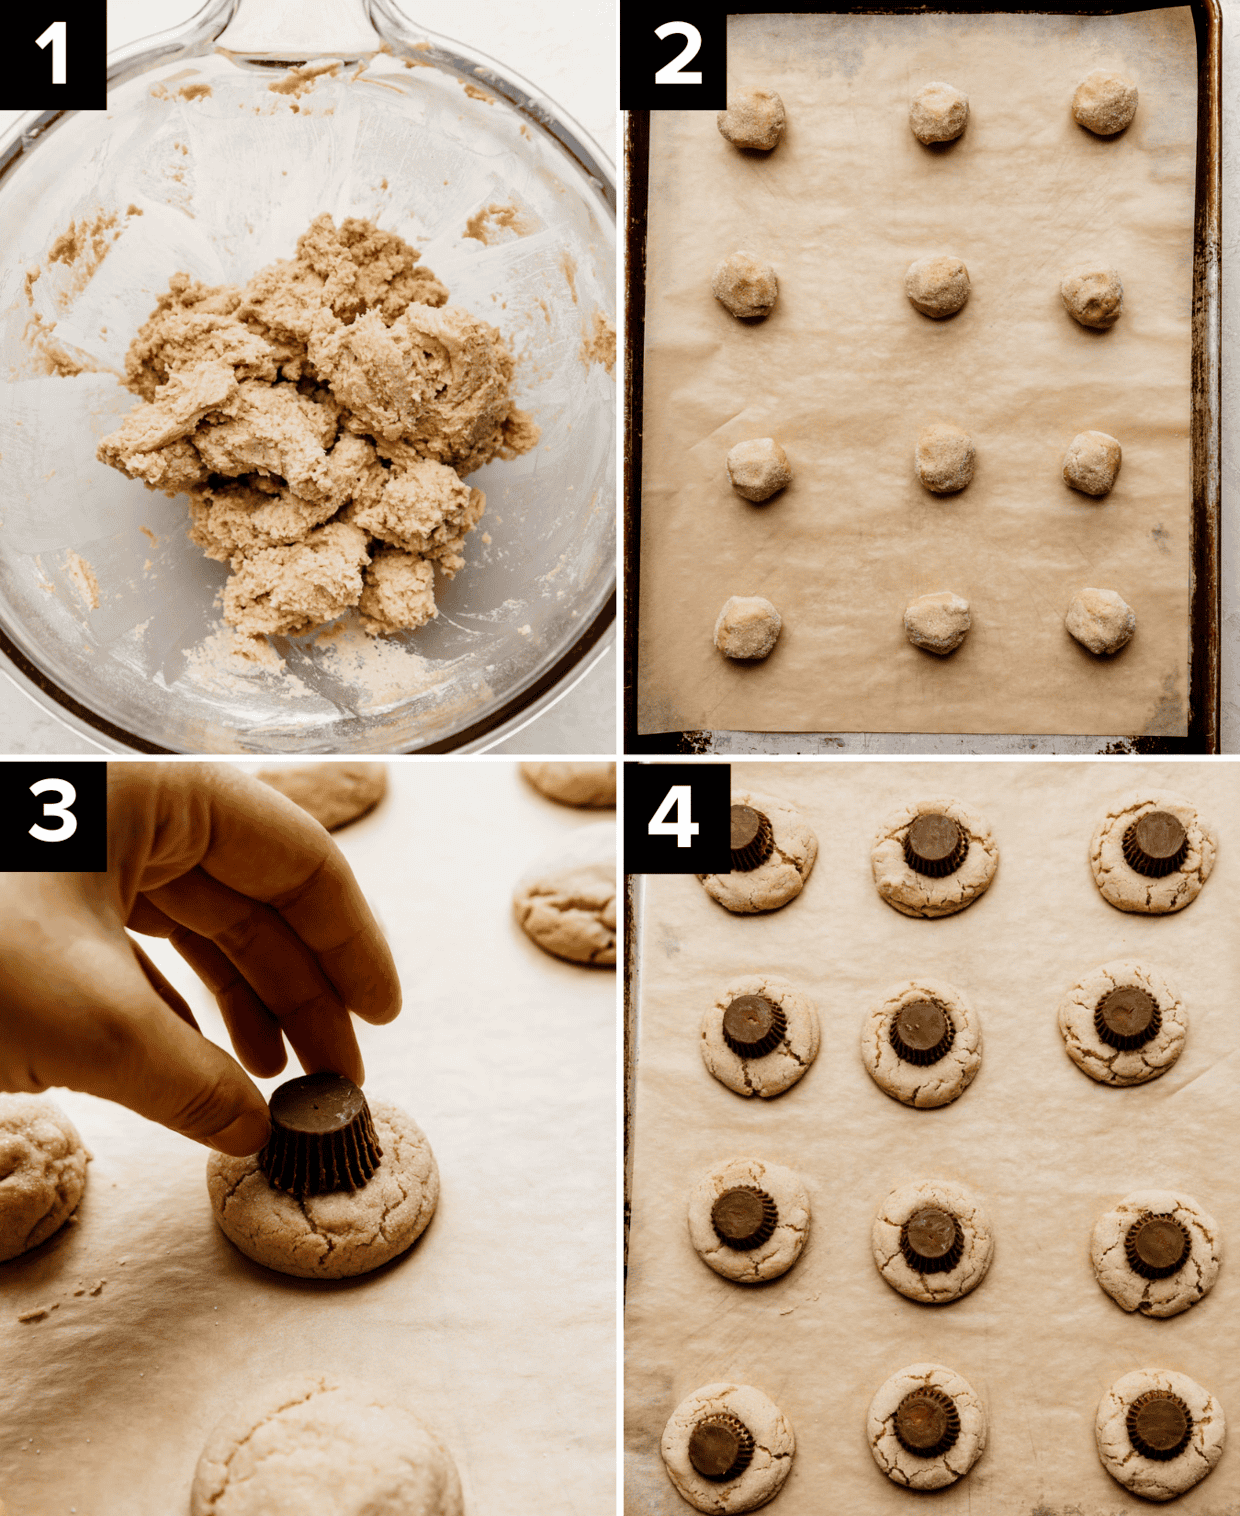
[[1093, 296], [760, 1035], [333, 793], [933, 857], [922, 1043], [567, 901], [1123, 1024], [1152, 853], [1159, 1432], [1105, 102], [42, 1171], [1100, 620], [755, 118], [727, 1448], [758, 468], [938, 622], [1092, 462], [749, 1220], [318, 1443], [745, 285], [582, 784], [932, 1241], [939, 113], [337, 1234], [1156, 1253], [944, 459], [747, 627], [926, 1427], [937, 286], [773, 852]]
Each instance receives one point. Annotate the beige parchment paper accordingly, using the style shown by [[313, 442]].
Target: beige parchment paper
[[845, 373], [1045, 1148], [497, 1327]]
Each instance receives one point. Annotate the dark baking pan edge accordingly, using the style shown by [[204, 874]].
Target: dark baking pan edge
[[1204, 611]]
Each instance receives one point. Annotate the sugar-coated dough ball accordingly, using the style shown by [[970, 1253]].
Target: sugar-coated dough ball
[[745, 285], [42, 1171], [938, 622], [1093, 296], [938, 113], [1105, 102], [937, 286], [944, 459], [748, 627], [1100, 620], [754, 118], [758, 468], [1092, 462]]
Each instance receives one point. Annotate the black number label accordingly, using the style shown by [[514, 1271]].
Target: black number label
[[684, 828], [58, 809], [54, 37]]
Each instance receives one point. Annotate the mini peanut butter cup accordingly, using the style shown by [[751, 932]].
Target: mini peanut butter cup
[[932, 1241], [744, 1217], [753, 839], [1157, 1246], [1127, 1018], [322, 1137], [720, 1447], [922, 1032], [1159, 1425], [754, 1026], [927, 1423], [935, 845], [1155, 844]]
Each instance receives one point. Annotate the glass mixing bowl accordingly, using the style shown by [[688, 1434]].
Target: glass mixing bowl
[[108, 613]]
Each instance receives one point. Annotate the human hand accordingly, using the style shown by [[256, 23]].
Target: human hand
[[256, 898]]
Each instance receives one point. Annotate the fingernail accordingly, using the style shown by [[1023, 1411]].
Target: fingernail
[[242, 1137]]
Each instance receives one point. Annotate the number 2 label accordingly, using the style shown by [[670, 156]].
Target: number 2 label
[[672, 73], [684, 827]]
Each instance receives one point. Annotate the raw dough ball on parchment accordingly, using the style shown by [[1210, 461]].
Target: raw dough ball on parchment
[[1153, 866], [938, 622], [758, 468], [317, 1444], [333, 793], [785, 1050], [1105, 102], [583, 784], [927, 1427], [922, 1043], [750, 1428], [1101, 620], [42, 1171], [745, 285], [937, 286], [1092, 462], [932, 1241], [937, 866], [1156, 1253], [1123, 1024], [754, 118], [567, 901], [944, 459], [938, 113], [747, 627], [1125, 1409], [1093, 295], [749, 1220], [781, 878]]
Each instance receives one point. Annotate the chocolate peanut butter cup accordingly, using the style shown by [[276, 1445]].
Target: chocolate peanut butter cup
[[927, 1423], [754, 1026], [932, 1241], [922, 1032], [753, 839], [744, 1217], [1128, 1017], [1155, 844], [322, 1136], [1159, 1425], [935, 845], [720, 1447], [1157, 1246]]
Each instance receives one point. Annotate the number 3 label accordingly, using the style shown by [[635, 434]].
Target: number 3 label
[[684, 827], [57, 808], [671, 73]]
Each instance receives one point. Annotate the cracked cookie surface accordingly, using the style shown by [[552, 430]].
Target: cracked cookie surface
[[1157, 1479], [916, 894], [774, 1445], [332, 1236], [783, 875], [567, 902], [583, 784], [930, 1084], [781, 1249], [1122, 1066], [779, 1069], [949, 1284], [42, 1171], [1156, 1297], [909, 1469], [1127, 890]]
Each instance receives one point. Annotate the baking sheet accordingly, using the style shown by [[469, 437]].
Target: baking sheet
[[845, 373], [1046, 1148], [498, 1326]]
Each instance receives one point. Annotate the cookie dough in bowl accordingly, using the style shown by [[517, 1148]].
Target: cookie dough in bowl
[[728, 1447], [567, 902], [932, 1241], [1123, 1024], [42, 1171], [1152, 852], [1156, 1253], [1159, 1432], [749, 1220], [773, 852], [317, 1443], [760, 1035], [922, 1043], [926, 1426], [933, 858]]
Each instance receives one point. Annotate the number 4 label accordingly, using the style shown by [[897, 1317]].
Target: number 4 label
[[684, 828]]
